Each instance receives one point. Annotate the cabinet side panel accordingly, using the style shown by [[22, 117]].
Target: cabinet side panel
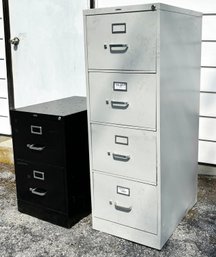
[[180, 51]]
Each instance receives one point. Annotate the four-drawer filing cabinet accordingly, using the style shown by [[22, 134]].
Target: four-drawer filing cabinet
[[143, 73], [51, 160]]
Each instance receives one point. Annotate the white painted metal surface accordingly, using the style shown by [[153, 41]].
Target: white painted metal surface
[[125, 202], [208, 76], [121, 52], [129, 153], [123, 98], [178, 58], [49, 61]]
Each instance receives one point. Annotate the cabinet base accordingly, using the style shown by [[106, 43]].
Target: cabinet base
[[131, 234], [51, 216]]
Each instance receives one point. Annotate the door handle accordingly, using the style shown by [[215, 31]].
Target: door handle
[[15, 41], [119, 157], [122, 208], [36, 147], [119, 105], [118, 48], [38, 191]]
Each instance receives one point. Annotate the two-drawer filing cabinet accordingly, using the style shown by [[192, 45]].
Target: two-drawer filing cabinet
[[143, 74], [50, 143]]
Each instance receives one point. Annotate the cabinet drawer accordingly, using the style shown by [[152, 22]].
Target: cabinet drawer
[[125, 152], [41, 184], [125, 41], [128, 99], [38, 138], [125, 202]]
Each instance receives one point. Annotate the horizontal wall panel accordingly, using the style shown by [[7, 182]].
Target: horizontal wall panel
[[3, 88], [207, 152], [5, 127], [208, 104], [3, 73], [208, 57], [207, 129], [1, 27], [209, 27], [207, 6], [2, 49], [4, 107], [208, 79]]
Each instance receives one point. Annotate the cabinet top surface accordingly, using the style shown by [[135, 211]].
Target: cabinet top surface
[[60, 107], [140, 8]]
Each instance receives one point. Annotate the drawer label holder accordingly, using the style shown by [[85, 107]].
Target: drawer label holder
[[120, 86], [123, 190], [118, 28], [121, 140]]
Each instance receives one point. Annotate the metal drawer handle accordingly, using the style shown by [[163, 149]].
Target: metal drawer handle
[[36, 147], [119, 157], [119, 105], [118, 48], [38, 191], [122, 208]]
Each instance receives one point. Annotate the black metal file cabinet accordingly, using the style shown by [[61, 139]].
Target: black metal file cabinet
[[51, 160]]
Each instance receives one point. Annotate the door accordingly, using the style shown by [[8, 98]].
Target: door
[[47, 52]]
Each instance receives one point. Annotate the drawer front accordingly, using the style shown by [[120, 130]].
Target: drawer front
[[41, 184], [4, 107], [125, 202], [124, 41], [38, 139], [125, 152], [127, 99]]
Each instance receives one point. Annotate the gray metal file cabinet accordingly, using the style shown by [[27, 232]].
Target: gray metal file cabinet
[[143, 75]]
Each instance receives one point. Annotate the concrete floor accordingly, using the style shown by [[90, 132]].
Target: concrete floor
[[22, 235]]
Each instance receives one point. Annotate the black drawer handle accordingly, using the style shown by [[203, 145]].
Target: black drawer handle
[[118, 48], [119, 157], [119, 105], [38, 191], [36, 147], [122, 208]]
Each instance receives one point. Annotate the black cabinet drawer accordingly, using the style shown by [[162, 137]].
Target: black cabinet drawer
[[43, 185], [38, 138]]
